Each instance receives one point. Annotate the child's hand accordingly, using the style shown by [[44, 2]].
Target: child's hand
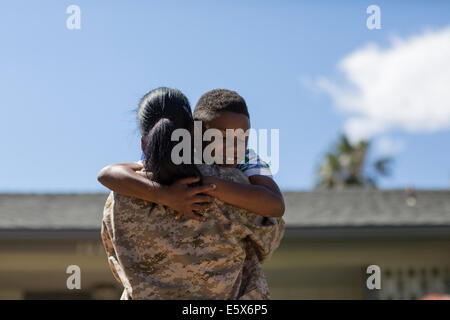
[[185, 200], [210, 180]]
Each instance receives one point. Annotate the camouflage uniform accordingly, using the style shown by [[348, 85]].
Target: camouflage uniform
[[155, 256]]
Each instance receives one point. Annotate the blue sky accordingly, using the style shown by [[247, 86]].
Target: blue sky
[[67, 96]]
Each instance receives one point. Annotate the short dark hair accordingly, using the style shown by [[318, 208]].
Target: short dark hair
[[218, 100]]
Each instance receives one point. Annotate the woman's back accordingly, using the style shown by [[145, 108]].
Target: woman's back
[[157, 257]]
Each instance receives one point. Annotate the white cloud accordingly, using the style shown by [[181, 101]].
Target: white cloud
[[405, 86], [389, 146]]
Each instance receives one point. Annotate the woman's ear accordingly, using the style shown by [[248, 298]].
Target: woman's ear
[[143, 144]]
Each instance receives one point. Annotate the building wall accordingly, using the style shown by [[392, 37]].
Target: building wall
[[302, 268], [37, 269], [334, 268]]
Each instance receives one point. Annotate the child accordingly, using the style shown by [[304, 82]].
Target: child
[[219, 109]]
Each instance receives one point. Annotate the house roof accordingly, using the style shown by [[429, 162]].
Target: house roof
[[51, 211], [365, 207], [315, 209]]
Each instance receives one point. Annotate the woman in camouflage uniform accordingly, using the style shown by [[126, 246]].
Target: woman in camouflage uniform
[[156, 257]]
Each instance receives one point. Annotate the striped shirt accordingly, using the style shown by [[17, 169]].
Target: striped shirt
[[253, 165]]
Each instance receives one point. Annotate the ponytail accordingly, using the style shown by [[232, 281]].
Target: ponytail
[[158, 151]]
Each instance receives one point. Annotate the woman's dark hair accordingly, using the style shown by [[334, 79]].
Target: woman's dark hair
[[160, 112]]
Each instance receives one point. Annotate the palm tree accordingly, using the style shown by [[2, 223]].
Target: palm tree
[[345, 165]]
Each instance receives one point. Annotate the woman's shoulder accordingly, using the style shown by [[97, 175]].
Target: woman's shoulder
[[131, 202], [226, 173], [123, 202]]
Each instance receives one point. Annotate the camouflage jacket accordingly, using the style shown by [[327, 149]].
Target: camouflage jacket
[[155, 256]]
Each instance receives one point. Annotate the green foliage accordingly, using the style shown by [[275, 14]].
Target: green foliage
[[346, 165]]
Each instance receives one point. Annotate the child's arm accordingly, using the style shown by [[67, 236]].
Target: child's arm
[[123, 179], [262, 196]]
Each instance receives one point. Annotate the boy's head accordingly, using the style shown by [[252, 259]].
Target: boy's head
[[216, 101], [224, 109]]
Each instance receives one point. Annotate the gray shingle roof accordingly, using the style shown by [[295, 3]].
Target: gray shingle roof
[[51, 211], [363, 207], [345, 208]]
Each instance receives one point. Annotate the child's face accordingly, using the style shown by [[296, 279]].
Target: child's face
[[230, 120]]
